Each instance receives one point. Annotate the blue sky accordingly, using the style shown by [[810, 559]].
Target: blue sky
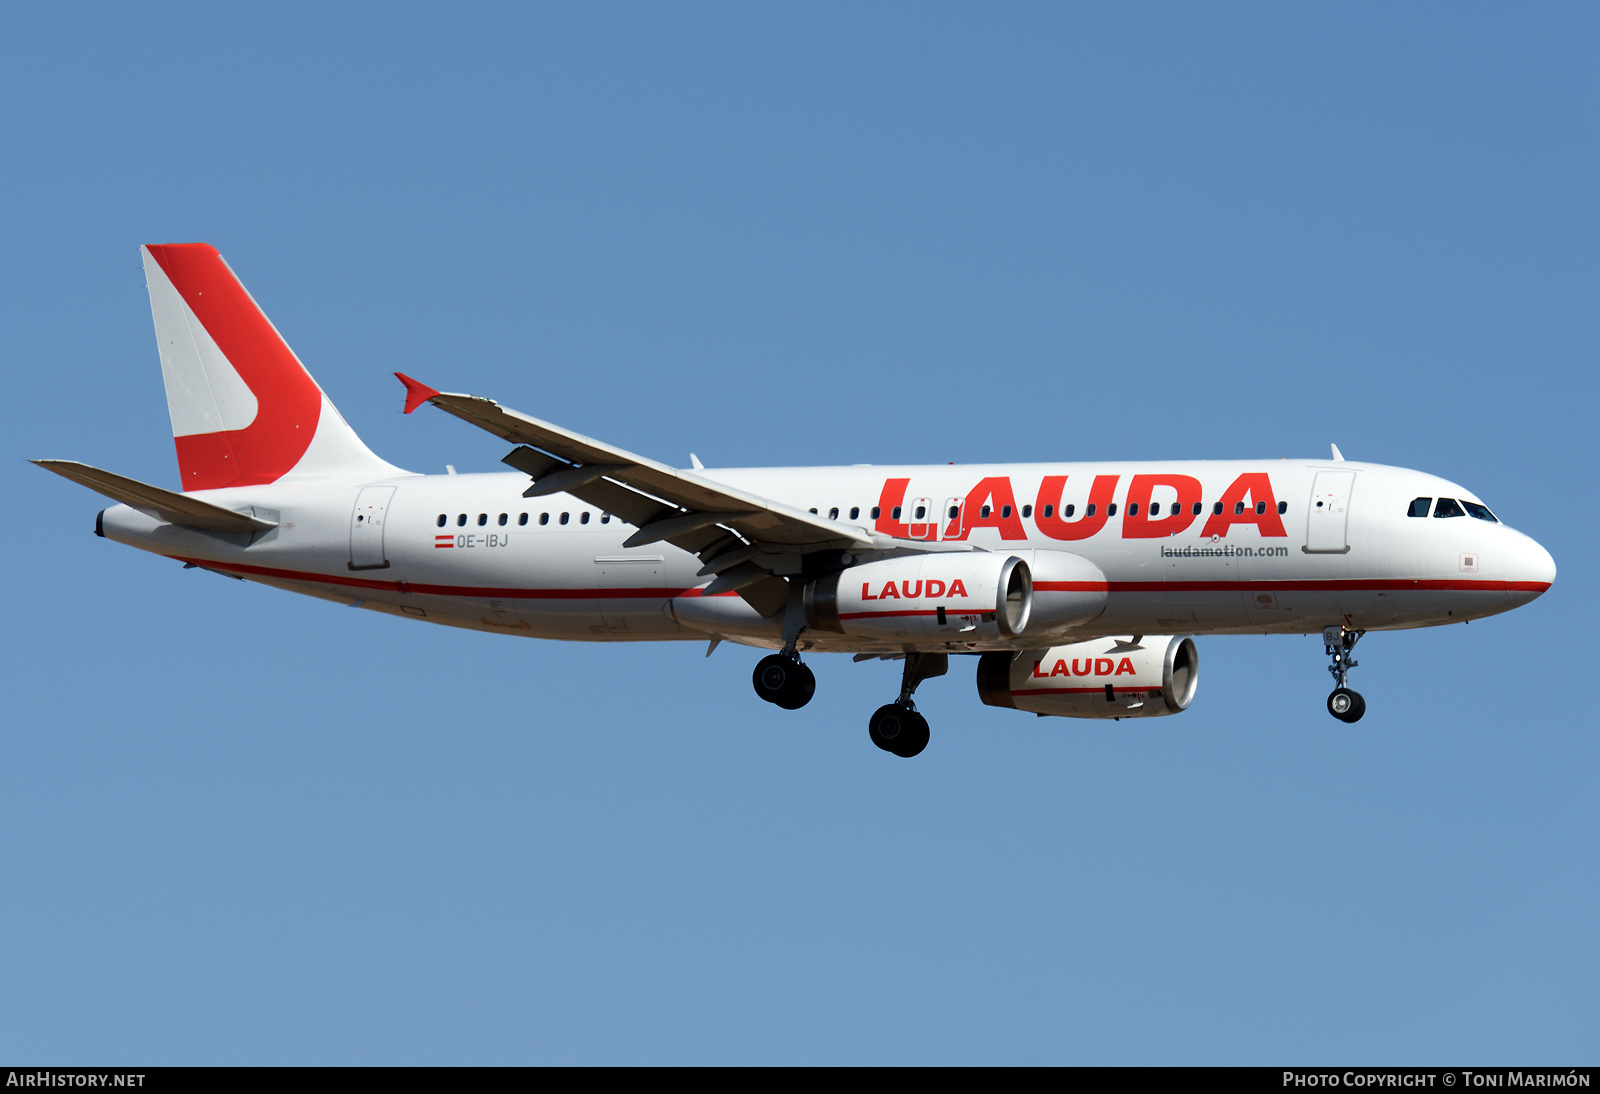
[[240, 826]]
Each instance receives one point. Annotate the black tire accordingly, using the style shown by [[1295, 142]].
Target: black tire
[[802, 686], [915, 739], [897, 728], [1358, 710], [771, 676], [783, 681], [1346, 705]]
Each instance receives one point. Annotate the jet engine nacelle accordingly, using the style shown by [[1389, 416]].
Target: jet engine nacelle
[[965, 597], [1069, 591], [1109, 678]]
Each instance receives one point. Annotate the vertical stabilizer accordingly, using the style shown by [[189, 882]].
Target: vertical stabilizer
[[244, 409]]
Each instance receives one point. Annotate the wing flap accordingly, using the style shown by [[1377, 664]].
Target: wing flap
[[174, 508]]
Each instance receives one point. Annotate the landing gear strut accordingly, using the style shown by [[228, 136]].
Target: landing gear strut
[[1337, 643], [780, 678], [897, 727]]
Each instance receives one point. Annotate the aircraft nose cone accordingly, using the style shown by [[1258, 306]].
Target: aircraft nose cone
[[1531, 570]]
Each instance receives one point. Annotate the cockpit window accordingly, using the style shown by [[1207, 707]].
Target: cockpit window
[[1447, 507], [1479, 511], [1419, 507]]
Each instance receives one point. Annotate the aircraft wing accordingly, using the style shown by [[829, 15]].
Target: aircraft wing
[[180, 509], [745, 539]]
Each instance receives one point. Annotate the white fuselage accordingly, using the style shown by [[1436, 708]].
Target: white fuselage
[[554, 567]]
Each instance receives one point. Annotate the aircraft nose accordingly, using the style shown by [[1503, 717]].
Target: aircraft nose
[[1530, 569]]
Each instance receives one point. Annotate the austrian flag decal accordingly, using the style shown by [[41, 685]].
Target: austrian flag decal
[[444, 541]]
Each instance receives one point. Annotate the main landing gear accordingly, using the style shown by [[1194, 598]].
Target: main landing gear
[[897, 727], [780, 678], [1337, 643]]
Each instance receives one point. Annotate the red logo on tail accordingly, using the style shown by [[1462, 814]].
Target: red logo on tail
[[289, 403]]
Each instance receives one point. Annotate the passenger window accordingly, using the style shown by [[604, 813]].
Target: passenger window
[[1216, 510], [1479, 511], [1199, 505], [1005, 511], [1111, 510], [1089, 512], [1447, 507], [1027, 510], [544, 518], [483, 518], [442, 519], [984, 512], [1133, 508], [1419, 507], [894, 513], [565, 517], [1283, 507], [833, 514], [922, 512], [522, 519], [503, 519], [954, 510], [1049, 511], [584, 519], [813, 512], [1261, 508], [605, 518], [855, 512], [875, 511], [461, 521]]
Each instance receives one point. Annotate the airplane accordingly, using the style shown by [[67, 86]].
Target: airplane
[[1076, 588]]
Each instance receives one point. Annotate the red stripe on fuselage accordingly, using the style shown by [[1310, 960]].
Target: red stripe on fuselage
[[438, 590], [1353, 585], [1356, 584]]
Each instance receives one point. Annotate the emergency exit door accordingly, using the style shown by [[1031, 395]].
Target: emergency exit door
[[952, 516], [366, 528]]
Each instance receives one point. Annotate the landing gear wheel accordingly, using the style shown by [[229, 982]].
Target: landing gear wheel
[[1346, 705], [896, 728], [784, 681]]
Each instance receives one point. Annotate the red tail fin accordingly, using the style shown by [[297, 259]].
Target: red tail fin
[[244, 410]]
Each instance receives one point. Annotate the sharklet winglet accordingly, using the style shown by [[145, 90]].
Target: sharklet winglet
[[417, 392]]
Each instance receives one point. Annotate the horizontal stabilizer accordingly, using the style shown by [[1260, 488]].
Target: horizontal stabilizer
[[174, 508]]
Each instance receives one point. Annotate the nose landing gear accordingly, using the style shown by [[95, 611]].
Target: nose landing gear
[[897, 727], [1346, 705], [780, 678], [1337, 643]]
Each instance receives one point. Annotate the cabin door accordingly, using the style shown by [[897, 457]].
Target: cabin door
[[366, 528], [1328, 517]]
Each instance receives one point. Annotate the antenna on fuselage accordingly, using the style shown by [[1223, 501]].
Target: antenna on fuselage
[[1338, 457]]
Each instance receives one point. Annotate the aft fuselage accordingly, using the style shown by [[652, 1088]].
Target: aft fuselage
[[1214, 547]]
